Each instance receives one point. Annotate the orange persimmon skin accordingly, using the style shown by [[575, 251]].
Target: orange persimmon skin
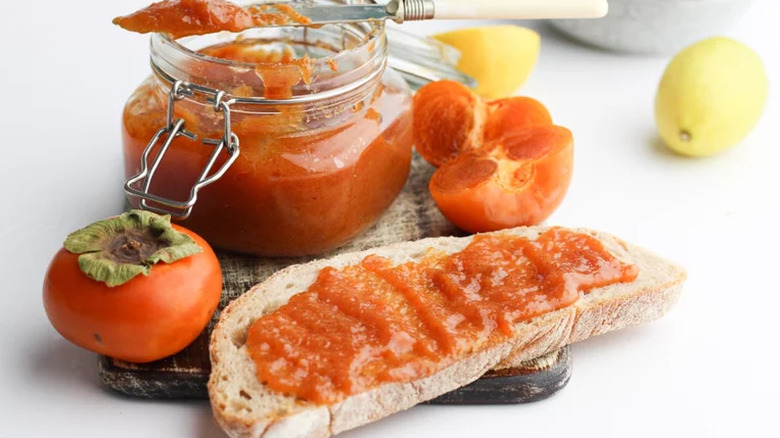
[[147, 318], [519, 181]]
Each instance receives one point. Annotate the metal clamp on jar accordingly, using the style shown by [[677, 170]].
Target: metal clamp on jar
[[173, 129]]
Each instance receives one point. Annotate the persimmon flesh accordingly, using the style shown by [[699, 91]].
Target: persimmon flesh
[[513, 113], [446, 116], [449, 120]]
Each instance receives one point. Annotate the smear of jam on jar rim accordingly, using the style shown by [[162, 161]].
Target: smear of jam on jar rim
[[375, 322], [279, 70], [181, 18]]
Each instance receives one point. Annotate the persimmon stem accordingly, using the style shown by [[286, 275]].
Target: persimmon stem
[[116, 250], [133, 247]]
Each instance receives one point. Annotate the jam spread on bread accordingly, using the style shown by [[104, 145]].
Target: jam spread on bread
[[377, 322]]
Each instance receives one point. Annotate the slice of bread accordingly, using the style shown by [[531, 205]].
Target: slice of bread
[[246, 408]]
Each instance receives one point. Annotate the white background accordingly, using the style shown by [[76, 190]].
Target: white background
[[708, 368]]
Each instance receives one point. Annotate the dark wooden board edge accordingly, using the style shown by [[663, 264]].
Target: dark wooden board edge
[[533, 380], [152, 384]]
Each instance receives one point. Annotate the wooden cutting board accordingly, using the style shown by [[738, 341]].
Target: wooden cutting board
[[413, 216]]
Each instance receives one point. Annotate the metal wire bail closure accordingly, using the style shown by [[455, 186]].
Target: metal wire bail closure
[[173, 129]]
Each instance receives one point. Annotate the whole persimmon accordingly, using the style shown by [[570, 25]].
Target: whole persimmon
[[133, 287]]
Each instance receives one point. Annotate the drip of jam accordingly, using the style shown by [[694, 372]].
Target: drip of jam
[[376, 322]]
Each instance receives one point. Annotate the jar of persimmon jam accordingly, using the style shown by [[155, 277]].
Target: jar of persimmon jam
[[274, 142]]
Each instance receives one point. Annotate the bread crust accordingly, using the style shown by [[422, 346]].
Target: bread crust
[[245, 408]]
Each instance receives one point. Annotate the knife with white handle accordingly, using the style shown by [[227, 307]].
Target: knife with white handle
[[515, 9], [417, 10]]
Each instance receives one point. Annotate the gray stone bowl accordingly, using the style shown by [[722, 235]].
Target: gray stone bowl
[[655, 26]]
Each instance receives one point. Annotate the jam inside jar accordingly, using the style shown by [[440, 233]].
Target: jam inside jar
[[321, 158]]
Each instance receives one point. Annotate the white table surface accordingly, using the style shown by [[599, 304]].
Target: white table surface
[[708, 368]]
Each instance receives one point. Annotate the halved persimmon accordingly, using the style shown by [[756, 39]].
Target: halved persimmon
[[449, 119], [519, 179]]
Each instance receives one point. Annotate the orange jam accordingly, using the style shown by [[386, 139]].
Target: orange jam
[[180, 18], [309, 176], [375, 322]]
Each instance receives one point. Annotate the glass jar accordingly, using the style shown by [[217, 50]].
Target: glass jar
[[313, 148]]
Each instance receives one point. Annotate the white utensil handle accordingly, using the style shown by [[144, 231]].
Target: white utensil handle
[[519, 9]]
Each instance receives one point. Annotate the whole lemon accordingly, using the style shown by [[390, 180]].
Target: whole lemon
[[710, 97]]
